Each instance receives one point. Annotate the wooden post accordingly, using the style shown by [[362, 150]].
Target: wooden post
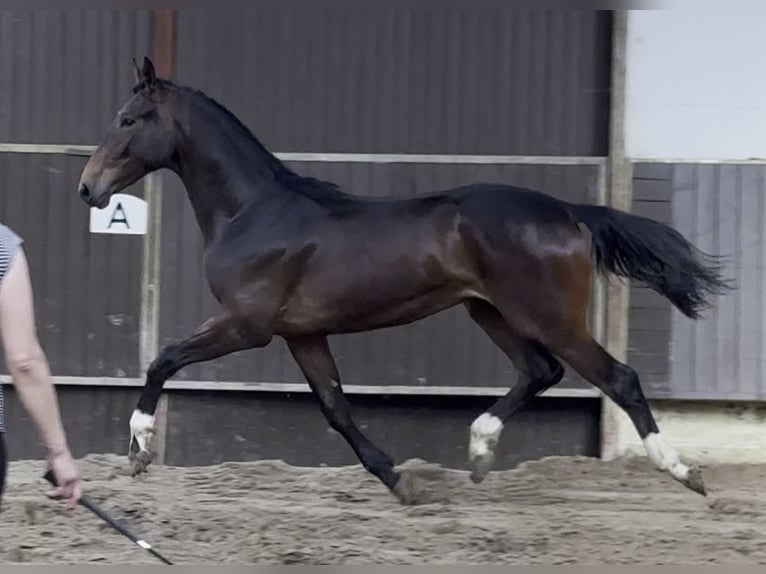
[[163, 57], [620, 196], [164, 42], [150, 299]]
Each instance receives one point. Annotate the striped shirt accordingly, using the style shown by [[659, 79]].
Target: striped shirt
[[9, 244]]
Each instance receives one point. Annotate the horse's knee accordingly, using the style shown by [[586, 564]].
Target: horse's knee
[[166, 362]]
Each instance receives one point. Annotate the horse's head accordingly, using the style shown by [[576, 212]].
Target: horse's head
[[140, 140]]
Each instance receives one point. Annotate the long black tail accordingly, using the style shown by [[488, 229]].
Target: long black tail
[[655, 255]]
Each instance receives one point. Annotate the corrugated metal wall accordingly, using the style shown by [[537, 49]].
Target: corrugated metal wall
[[721, 209], [290, 427], [310, 80], [87, 287], [95, 418], [393, 80], [649, 315], [48, 62]]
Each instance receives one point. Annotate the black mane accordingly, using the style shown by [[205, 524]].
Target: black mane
[[315, 188]]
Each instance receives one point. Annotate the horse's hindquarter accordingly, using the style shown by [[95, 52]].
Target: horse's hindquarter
[[537, 261]]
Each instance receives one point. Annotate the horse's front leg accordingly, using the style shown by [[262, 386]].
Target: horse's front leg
[[215, 338], [318, 366]]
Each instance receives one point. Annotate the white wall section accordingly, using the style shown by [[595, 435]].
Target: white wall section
[[696, 85]]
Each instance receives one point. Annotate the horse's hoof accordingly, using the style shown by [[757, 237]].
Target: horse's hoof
[[388, 460], [409, 490], [133, 449], [694, 481], [480, 467], [141, 461]]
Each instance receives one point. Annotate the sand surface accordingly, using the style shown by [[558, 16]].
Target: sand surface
[[555, 511]]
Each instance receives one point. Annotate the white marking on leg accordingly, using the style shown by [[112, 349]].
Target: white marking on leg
[[665, 456], [485, 431], [142, 428]]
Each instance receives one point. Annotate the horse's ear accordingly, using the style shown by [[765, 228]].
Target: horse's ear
[[146, 78], [137, 72], [148, 73]]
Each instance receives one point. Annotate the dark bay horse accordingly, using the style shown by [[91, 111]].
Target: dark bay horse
[[293, 257]]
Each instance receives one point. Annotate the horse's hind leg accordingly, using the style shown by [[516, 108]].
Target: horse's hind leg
[[318, 366], [538, 370], [621, 384]]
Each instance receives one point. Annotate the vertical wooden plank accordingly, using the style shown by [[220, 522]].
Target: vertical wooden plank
[[407, 80], [620, 197], [728, 192], [707, 209], [683, 350], [598, 312], [750, 307], [163, 57], [164, 41], [761, 293], [650, 313]]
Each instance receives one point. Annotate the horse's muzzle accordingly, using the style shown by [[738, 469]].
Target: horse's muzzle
[[88, 197], [84, 193]]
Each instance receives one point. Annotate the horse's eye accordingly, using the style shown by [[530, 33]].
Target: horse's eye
[[126, 122]]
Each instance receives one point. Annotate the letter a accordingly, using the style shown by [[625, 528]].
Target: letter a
[[115, 219]]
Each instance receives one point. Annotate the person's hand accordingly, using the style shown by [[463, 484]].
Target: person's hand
[[68, 479]]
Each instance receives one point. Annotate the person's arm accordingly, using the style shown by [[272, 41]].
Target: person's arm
[[30, 373]]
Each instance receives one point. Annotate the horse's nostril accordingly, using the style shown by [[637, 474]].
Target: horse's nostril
[[84, 192]]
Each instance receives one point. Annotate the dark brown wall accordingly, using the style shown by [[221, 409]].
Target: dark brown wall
[[208, 427], [87, 287], [463, 79], [95, 420], [63, 75], [446, 81], [446, 349], [66, 72], [378, 80]]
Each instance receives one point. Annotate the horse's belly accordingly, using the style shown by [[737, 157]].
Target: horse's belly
[[364, 309], [397, 280]]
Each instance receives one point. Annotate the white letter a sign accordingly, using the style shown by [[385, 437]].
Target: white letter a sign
[[125, 215]]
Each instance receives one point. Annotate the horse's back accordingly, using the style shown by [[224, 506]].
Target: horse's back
[[518, 204]]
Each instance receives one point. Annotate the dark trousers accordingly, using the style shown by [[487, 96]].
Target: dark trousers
[[3, 465]]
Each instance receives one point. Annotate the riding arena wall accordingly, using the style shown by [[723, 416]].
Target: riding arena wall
[[385, 102]]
